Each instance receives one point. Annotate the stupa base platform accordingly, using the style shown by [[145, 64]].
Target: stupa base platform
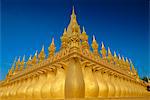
[[110, 98]]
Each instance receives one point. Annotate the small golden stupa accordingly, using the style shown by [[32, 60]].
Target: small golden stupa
[[74, 72]]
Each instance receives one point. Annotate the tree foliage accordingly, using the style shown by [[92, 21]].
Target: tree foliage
[[145, 79]]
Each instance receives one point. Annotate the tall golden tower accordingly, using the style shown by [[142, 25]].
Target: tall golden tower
[[73, 72]]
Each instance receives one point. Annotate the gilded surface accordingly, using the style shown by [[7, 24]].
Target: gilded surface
[[74, 71]]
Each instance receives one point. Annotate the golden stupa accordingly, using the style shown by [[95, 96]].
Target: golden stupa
[[74, 72]]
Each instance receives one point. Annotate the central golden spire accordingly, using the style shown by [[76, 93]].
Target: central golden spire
[[73, 12], [73, 25]]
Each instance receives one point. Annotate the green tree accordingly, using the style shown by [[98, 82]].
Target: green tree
[[145, 79]]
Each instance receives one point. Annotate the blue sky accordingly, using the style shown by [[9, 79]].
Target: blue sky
[[121, 24]]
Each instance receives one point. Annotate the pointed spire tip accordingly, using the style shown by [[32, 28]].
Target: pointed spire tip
[[14, 61], [73, 11], [35, 53], [94, 38], [127, 59], [103, 45], [130, 60], [23, 58], [109, 50], [19, 59], [53, 40], [65, 29], [123, 58], [30, 57], [83, 29], [119, 56], [115, 54], [43, 47]]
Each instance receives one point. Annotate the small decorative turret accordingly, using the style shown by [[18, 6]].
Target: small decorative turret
[[110, 57], [51, 49], [12, 68], [123, 59], [22, 63], [127, 64], [123, 62], [84, 38], [34, 59], [115, 55], [64, 40], [10, 72], [29, 63], [120, 61], [17, 65], [95, 46], [136, 75], [116, 59], [103, 51], [132, 68], [119, 56], [41, 55], [134, 71]]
